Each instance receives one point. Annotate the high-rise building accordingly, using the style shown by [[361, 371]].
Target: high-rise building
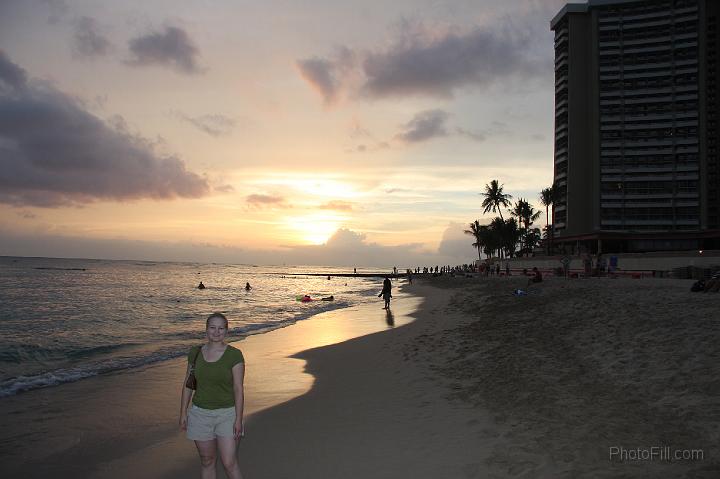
[[636, 125]]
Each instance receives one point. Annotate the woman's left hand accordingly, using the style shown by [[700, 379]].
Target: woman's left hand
[[238, 429]]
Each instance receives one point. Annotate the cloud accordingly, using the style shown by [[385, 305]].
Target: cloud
[[320, 75], [171, 48], [326, 76], [455, 243], [438, 66], [53, 152], [88, 42], [11, 74], [424, 126], [337, 206], [495, 128], [427, 63], [224, 189], [344, 248], [57, 10], [474, 135], [260, 201], [214, 125]]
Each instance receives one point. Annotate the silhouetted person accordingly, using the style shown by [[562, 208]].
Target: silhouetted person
[[386, 292], [201, 285], [248, 287]]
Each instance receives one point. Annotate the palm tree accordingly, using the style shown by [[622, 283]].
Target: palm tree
[[526, 215], [494, 198], [476, 230], [532, 238], [547, 198], [510, 236]]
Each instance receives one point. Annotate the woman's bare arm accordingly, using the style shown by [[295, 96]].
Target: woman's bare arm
[[185, 398], [238, 372]]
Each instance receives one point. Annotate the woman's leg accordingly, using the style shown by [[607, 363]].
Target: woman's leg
[[208, 457], [228, 456]]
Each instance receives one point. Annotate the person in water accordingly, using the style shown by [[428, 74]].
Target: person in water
[[201, 285], [248, 287], [215, 420], [386, 292]]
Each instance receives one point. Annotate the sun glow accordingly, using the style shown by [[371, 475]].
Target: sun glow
[[315, 228], [322, 187]]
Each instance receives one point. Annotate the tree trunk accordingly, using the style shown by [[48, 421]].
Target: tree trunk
[[547, 226]]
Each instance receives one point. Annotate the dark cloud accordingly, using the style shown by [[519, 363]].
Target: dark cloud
[[88, 42], [320, 75], [437, 66], [172, 48], [337, 206], [10, 74], [423, 62], [326, 76], [53, 152], [424, 126], [214, 125]]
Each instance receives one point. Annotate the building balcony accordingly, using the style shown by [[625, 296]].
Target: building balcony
[[649, 49], [647, 16], [644, 66], [649, 22]]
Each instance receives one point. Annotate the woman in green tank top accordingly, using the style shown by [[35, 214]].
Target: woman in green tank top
[[215, 419]]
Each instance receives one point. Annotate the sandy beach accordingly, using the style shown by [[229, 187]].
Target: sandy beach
[[487, 384], [483, 384]]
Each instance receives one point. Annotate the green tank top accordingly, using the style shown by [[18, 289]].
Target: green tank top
[[215, 380]]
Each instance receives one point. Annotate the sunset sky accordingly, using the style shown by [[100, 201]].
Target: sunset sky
[[314, 132]]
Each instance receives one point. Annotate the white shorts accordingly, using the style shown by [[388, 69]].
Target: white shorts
[[207, 424]]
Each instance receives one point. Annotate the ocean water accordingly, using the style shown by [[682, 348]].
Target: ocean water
[[62, 320]]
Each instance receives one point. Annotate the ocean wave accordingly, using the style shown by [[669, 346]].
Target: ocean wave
[[181, 343]]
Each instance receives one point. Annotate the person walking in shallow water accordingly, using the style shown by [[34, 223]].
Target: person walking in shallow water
[[386, 292], [215, 420]]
